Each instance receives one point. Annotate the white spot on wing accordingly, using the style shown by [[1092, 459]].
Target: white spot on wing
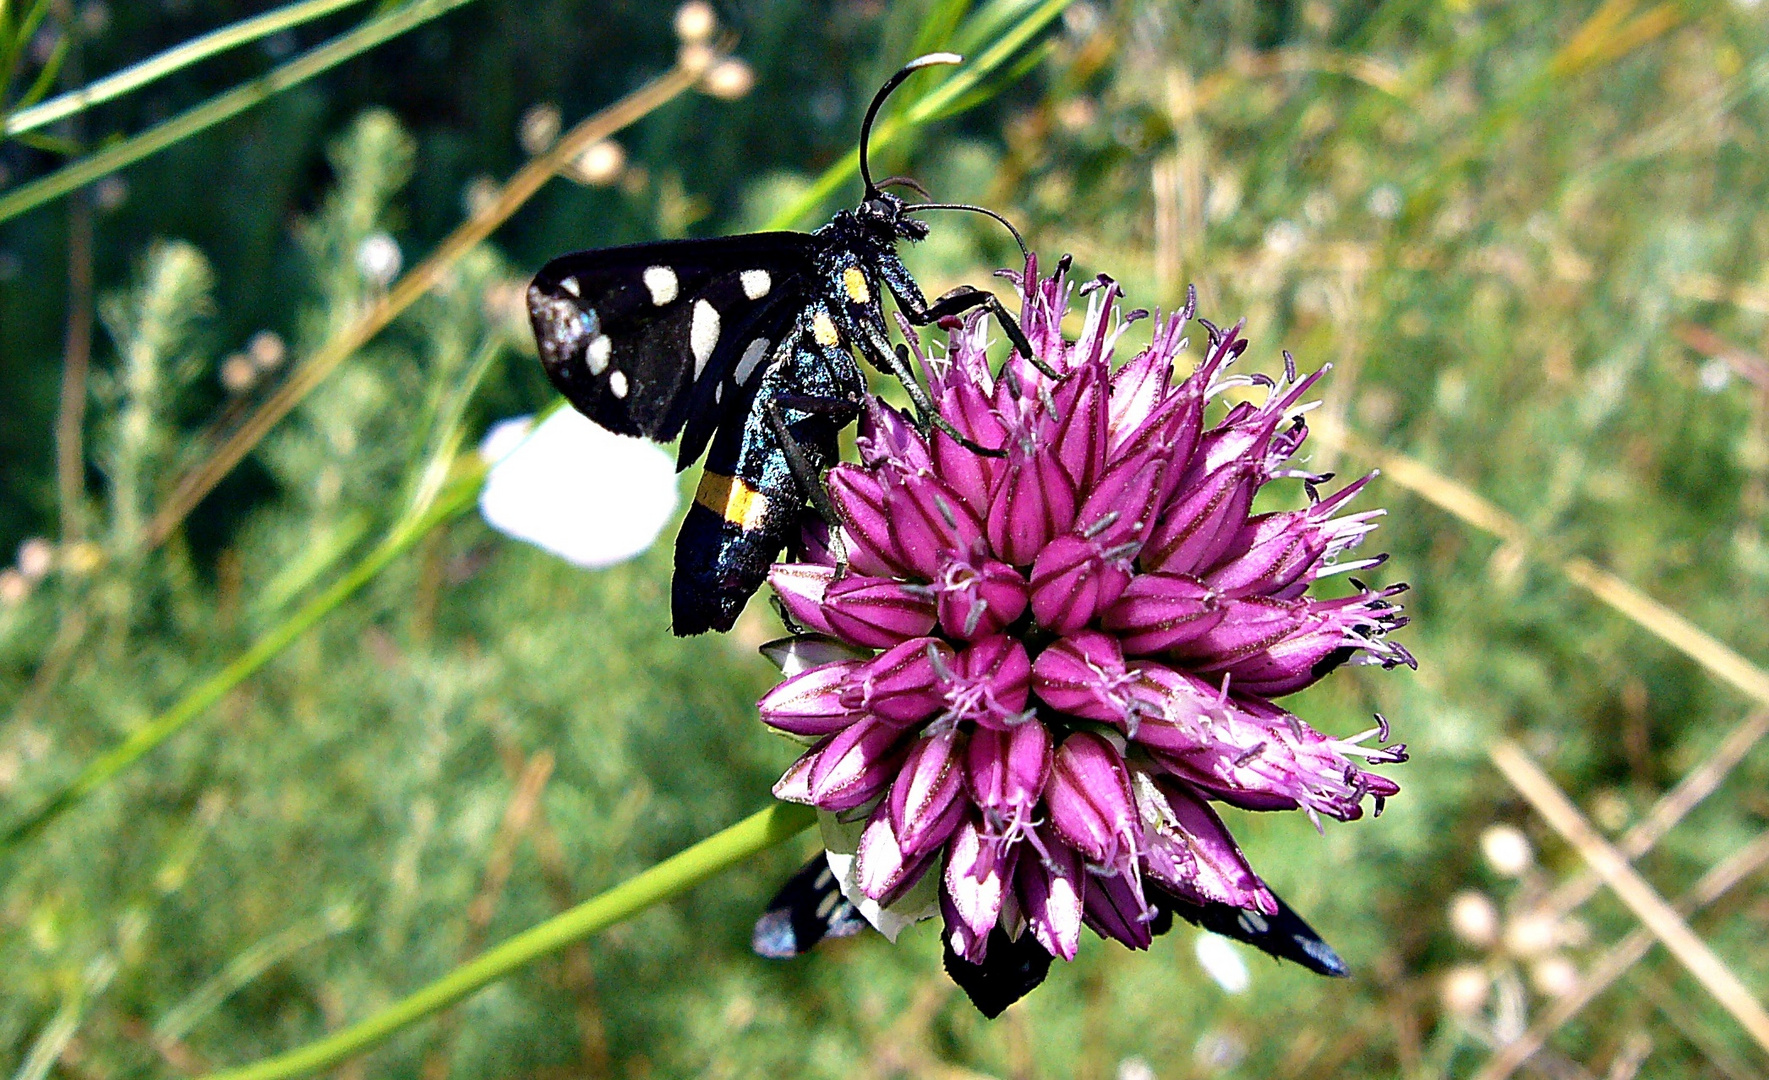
[[746, 364], [597, 353], [756, 283], [617, 382], [570, 286], [703, 334], [661, 280]]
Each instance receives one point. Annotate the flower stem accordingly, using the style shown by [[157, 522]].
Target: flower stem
[[669, 878], [222, 106], [190, 52]]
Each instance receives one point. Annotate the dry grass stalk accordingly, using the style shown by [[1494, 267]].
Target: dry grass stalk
[[1658, 917], [1671, 808], [1673, 629], [1622, 956]]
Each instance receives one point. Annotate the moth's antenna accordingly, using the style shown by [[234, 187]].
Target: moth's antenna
[[878, 101], [1018, 239]]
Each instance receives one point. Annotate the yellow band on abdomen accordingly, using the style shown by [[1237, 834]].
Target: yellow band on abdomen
[[732, 499]]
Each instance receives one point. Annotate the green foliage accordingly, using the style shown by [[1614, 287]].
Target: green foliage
[[1496, 221]]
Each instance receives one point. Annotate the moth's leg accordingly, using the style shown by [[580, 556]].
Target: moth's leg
[[967, 297], [803, 472], [897, 364]]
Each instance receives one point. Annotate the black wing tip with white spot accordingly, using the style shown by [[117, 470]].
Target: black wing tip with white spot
[[1284, 935], [807, 909]]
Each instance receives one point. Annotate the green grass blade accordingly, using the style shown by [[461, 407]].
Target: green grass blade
[[935, 103], [223, 106], [673, 876], [194, 51], [459, 496]]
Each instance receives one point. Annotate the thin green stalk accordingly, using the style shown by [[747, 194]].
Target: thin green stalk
[[190, 52], [461, 494], [223, 106], [932, 105], [669, 878]]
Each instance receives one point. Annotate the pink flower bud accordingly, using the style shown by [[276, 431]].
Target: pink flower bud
[[1051, 894], [902, 684], [882, 869], [855, 765], [924, 803], [1084, 675], [1075, 579], [1034, 501], [990, 683], [875, 612], [1090, 801], [810, 703], [859, 496], [978, 598], [1157, 612], [1005, 771], [801, 588], [976, 877]]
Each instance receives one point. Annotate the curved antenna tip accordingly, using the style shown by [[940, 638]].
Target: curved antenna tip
[[932, 59]]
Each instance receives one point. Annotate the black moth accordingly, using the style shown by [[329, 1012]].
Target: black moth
[[746, 343], [810, 907]]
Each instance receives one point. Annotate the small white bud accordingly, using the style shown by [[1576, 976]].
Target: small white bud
[[1464, 990], [600, 164], [13, 588], [36, 557], [1474, 919], [267, 350], [1507, 850], [379, 259], [1532, 934], [695, 57], [729, 79], [1554, 976], [540, 126], [237, 373], [696, 21]]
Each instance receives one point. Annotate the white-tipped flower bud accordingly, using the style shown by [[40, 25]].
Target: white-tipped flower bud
[[237, 373]]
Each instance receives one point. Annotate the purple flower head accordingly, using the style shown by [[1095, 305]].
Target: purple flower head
[[1065, 649]]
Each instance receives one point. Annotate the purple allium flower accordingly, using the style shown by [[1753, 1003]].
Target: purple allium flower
[[1062, 653]]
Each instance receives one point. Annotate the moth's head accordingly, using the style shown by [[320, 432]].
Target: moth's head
[[882, 218]]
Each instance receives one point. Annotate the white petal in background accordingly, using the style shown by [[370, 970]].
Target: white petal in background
[[1222, 961], [591, 497]]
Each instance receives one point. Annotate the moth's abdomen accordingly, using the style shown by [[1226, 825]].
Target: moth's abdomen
[[731, 535]]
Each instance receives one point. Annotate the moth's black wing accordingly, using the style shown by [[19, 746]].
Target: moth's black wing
[[807, 909], [639, 338], [1010, 970], [750, 502], [1283, 935]]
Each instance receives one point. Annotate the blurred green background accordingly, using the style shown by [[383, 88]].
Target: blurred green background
[[1530, 236]]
